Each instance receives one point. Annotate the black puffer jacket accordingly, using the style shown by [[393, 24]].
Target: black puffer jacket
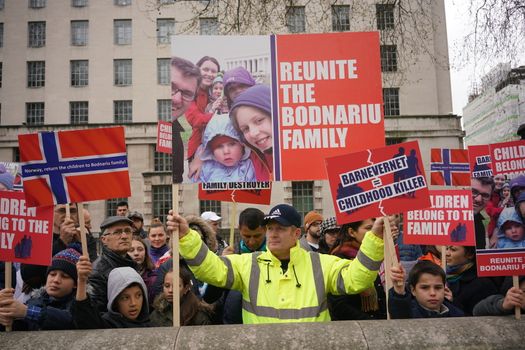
[[98, 281]]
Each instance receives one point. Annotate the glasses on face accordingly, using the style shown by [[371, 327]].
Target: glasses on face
[[119, 232], [475, 193], [185, 94]]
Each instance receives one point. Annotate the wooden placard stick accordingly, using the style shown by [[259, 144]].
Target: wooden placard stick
[[82, 224], [390, 257], [444, 258], [68, 211], [175, 257], [233, 215], [517, 309], [8, 284]]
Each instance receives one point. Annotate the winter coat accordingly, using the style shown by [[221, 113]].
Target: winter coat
[[198, 120], [406, 306], [48, 313], [212, 170], [162, 315], [87, 317], [508, 214], [59, 245], [106, 262], [471, 289], [156, 253], [297, 295], [492, 306]]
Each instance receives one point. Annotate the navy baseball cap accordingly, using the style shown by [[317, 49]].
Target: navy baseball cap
[[284, 214]]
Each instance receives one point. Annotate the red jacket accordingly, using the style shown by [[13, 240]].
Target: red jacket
[[198, 120]]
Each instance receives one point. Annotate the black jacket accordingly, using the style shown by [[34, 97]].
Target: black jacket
[[98, 280], [470, 290], [405, 306]]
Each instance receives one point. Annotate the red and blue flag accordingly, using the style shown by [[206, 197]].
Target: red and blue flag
[[61, 167], [449, 167]]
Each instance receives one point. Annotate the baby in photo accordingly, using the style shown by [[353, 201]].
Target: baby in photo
[[511, 230], [224, 157]]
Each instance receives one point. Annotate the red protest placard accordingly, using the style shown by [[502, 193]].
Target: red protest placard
[[508, 158], [252, 196], [164, 137], [61, 167], [328, 96], [449, 220], [479, 159], [26, 234], [377, 182], [500, 262]]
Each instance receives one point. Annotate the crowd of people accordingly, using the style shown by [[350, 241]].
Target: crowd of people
[[283, 268]]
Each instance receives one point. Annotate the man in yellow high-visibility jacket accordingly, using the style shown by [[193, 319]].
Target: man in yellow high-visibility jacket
[[286, 283]]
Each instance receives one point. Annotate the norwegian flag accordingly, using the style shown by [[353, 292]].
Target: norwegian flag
[[74, 166], [449, 167]]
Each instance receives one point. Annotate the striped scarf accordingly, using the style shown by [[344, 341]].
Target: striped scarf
[[455, 272]]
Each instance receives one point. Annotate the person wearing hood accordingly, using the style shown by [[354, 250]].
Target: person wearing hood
[[49, 307], [116, 235], [217, 104], [511, 230], [224, 157], [251, 115], [235, 81], [127, 300]]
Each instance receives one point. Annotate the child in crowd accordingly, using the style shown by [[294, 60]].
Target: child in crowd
[[49, 308], [217, 102], [427, 293], [506, 198], [127, 300], [146, 268], [225, 157], [236, 80], [511, 230]]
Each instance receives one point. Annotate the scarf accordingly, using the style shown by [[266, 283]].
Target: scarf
[[455, 272], [245, 249], [156, 253]]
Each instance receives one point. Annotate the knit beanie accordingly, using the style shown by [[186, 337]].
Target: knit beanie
[[66, 260], [218, 79], [257, 96], [238, 75], [312, 216], [6, 178]]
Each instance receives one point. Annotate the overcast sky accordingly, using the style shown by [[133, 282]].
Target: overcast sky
[[462, 79]]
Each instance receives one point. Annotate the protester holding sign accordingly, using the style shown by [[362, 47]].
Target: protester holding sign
[[503, 304], [467, 289], [295, 295], [369, 304], [49, 308], [427, 297], [251, 115]]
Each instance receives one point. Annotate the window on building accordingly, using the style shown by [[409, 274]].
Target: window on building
[[79, 33], [163, 71], [37, 4], [122, 2], [210, 205], [388, 58], [111, 205], [122, 72], [1, 70], [36, 73], [165, 28], [78, 112], [79, 3], [295, 19], [35, 113], [162, 161], [16, 154], [391, 101], [122, 31], [36, 34], [385, 16], [303, 196], [209, 26], [1, 35], [123, 111], [394, 140], [79, 72], [162, 202], [164, 110], [2, 4], [340, 18]]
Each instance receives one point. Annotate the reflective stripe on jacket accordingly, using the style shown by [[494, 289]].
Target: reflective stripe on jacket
[[299, 294]]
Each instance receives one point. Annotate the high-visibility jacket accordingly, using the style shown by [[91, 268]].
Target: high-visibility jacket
[[299, 294]]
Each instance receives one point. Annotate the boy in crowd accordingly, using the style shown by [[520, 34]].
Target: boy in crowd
[[127, 300], [427, 293]]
